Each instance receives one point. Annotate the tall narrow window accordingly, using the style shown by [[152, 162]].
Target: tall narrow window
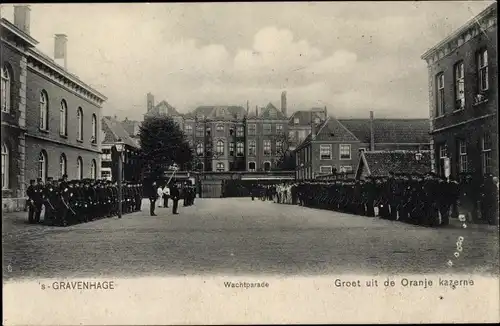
[[94, 129], [486, 153], [240, 132], [459, 86], [5, 166], [252, 148], [42, 166], [345, 152], [252, 129], [44, 111], [62, 165], [79, 168], [6, 89], [63, 119], [79, 122], [440, 94], [240, 148], [462, 151], [325, 152], [188, 129], [483, 70], [220, 147], [267, 129], [199, 149], [220, 167], [93, 170], [267, 147], [231, 148]]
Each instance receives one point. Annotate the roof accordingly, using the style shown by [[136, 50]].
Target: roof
[[380, 163], [130, 126], [331, 130], [219, 111], [114, 130], [392, 131], [271, 112], [18, 32], [475, 20], [306, 116]]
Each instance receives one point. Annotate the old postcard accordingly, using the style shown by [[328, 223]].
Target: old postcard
[[250, 163]]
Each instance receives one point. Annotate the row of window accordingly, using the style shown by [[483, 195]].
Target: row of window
[[459, 83], [240, 131], [462, 155], [6, 94], [325, 151], [328, 169], [240, 148], [43, 165], [252, 166]]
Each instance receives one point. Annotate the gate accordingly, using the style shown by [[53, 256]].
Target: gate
[[211, 188]]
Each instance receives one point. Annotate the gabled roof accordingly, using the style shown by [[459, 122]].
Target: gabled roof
[[306, 116], [380, 163], [219, 111], [331, 130], [165, 107], [114, 130], [271, 112], [393, 131]]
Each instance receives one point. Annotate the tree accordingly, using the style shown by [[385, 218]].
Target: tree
[[162, 144], [285, 155]]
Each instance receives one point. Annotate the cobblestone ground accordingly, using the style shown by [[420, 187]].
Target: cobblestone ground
[[239, 236]]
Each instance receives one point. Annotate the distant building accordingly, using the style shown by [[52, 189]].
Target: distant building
[[330, 148], [463, 97], [112, 132], [381, 163], [50, 118]]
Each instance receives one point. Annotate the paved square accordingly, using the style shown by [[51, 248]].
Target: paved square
[[240, 236]]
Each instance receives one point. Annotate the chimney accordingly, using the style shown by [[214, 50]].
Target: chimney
[[150, 101], [372, 133], [22, 17], [313, 131], [256, 110], [283, 103], [248, 107], [60, 51], [326, 113]]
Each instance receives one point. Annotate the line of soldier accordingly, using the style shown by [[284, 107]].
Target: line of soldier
[[418, 199], [76, 201]]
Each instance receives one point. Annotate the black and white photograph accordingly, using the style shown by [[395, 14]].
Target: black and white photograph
[[250, 163]]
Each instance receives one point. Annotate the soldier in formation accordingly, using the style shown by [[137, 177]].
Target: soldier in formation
[[69, 202], [426, 200]]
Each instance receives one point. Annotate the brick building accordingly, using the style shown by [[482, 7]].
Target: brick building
[[463, 97], [51, 119], [330, 147], [112, 132]]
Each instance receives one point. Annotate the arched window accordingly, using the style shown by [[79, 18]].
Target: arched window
[[42, 166], [199, 149], [267, 166], [44, 111], [6, 89], [220, 167], [251, 166], [252, 148], [94, 129], [63, 119], [79, 125], [93, 170], [5, 166], [220, 147], [79, 168], [62, 165]]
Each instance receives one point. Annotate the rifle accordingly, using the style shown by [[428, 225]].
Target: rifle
[[67, 206]]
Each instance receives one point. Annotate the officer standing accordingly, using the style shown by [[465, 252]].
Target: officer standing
[[175, 194], [30, 192], [50, 210], [38, 199]]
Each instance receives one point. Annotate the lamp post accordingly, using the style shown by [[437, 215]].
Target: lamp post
[[120, 146]]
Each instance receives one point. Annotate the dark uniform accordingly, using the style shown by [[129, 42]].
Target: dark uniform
[[175, 194], [30, 192]]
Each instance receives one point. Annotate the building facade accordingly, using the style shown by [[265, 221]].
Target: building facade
[[330, 148], [51, 118], [112, 132], [463, 97]]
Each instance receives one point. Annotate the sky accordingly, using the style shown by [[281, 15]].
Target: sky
[[352, 57]]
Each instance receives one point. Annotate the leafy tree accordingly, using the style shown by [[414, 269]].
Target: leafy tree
[[162, 144], [285, 155]]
